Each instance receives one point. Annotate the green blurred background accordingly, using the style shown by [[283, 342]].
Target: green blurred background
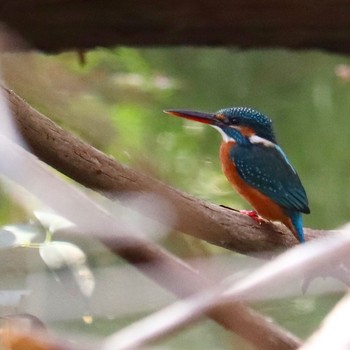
[[115, 100]]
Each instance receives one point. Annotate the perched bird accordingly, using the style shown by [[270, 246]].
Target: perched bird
[[256, 166]]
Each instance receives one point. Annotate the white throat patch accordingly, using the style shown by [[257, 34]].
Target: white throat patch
[[261, 140], [225, 137], [253, 139]]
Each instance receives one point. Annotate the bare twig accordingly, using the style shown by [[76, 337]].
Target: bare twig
[[258, 284]]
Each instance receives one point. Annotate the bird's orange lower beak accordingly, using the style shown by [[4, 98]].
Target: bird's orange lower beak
[[206, 118]]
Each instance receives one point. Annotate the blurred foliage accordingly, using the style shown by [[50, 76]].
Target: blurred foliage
[[115, 102], [203, 335]]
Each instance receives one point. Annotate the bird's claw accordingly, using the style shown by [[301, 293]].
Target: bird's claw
[[251, 213], [254, 215]]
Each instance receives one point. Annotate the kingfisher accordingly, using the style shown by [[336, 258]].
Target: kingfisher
[[256, 166]]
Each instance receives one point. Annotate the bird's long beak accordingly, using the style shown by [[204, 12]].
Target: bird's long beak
[[206, 118]]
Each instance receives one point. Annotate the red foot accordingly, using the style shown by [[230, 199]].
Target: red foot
[[254, 215]]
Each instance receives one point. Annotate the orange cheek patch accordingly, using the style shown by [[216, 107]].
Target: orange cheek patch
[[220, 117], [246, 131]]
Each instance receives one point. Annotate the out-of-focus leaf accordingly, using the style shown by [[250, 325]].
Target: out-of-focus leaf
[[57, 255], [25, 233], [64, 258], [53, 222]]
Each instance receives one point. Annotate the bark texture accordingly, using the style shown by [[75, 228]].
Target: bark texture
[[92, 168], [155, 262]]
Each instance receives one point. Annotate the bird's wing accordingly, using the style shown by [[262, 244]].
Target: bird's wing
[[267, 169]]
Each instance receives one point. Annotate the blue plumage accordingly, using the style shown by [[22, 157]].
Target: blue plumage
[[263, 165], [297, 221], [255, 164], [267, 170], [245, 116]]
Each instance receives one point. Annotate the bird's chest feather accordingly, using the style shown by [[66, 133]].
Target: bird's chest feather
[[230, 171], [228, 167], [261, 203]]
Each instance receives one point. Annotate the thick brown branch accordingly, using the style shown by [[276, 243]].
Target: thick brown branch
[[170, 272], [92, 168], [60, 25]]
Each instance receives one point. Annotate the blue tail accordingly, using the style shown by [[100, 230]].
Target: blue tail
[[297, 222]]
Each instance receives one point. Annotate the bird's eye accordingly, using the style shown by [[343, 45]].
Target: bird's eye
[[234, 120]]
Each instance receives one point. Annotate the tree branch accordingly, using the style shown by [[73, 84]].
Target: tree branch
[[152, 260], [45, 24], [90, 167]]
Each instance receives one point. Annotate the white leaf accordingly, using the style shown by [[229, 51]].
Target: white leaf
[[25, 233], [53, 222], [61, 256]]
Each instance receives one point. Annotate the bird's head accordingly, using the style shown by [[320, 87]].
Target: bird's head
[[237, 123]]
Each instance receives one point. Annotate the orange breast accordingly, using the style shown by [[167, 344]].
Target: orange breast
[[264, 206]]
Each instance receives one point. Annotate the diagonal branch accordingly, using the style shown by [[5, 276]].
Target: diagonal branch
[[333, 332], [93, 169], [170, 272], [256, 284]]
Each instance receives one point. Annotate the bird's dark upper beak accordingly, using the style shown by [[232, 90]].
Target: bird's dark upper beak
[[206, 118]]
